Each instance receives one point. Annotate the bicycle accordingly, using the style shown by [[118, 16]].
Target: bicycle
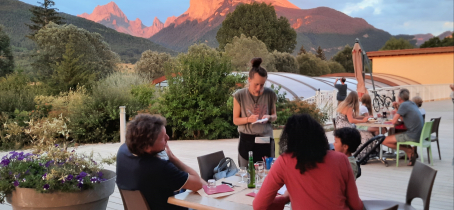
[[385, 101]]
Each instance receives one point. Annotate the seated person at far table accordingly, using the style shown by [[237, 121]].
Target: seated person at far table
[[365, 110], [346, 141], [418, 101], [316, 178], [140, 168], [413, 121]]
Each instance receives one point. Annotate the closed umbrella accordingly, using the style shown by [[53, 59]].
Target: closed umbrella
[[358, 66]]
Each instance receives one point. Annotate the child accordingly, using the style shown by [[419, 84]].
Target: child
[[418, 102], [365, 110], [347, 140]]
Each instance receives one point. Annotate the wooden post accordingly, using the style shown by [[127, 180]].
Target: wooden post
[[122, 124]]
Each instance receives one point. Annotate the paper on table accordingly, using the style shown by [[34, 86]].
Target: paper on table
[[282, 190], [260, 121], [218, 195]]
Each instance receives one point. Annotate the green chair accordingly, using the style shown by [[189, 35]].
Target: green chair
[[425, 134]]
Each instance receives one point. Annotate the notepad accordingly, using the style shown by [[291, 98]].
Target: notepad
[[219, 189], [260, 121]]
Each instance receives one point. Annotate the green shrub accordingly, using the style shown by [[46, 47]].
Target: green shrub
[[285, 62], [196, 103], [335, 67], [310, 65], [17, 92]]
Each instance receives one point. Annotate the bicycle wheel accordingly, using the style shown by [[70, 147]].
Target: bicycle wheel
[[388, 103], [376, 104]]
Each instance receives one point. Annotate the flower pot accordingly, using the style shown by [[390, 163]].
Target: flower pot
[[94, 199]]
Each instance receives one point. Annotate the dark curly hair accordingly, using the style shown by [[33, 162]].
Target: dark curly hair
[[305, 139], [350, 137], [143, 131]]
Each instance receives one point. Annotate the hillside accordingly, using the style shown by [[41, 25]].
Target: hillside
[[322, 26], [14, 14]]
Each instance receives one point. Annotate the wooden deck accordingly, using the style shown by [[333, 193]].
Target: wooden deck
[[376, 182]]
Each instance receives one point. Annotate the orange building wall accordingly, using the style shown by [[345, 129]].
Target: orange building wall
[[423, 68]]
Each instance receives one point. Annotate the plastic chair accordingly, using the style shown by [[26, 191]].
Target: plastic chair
[[133, 200], [420, 186], [425, 134], [207, 163], [435, 127]]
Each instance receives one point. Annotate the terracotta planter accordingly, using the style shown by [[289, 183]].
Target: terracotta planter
[[94, 199]]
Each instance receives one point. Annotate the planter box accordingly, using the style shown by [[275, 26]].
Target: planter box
[[94, 199]]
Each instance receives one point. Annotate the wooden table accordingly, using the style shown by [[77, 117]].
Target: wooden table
[[237, 201], [379, 125]]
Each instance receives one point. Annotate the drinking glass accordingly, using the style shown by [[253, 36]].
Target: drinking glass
[[261, 167], [243, 172], [211, 188]]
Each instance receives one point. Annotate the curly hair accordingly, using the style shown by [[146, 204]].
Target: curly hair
[[305, 139], [143, 131], [350, 137]]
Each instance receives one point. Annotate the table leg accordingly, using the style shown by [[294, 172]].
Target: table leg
[[381, 145]]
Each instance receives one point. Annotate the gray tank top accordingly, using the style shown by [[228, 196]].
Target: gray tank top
[[257, 105]]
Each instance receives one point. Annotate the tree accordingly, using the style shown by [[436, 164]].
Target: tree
[[196, 103], [6, 55], [302, 50], [310, 65], [285, 62], [397, 44], [320, 54], [151, 64], [436, 42], [241, 50], [52, 43], [335, 67], [43, 15], [259, 20], [344, 58], [70, 72]]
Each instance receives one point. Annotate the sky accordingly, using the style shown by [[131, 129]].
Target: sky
[[393, 16]]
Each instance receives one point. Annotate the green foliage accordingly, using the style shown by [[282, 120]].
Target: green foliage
[[320, 54], [83, 50], [51, 170], [344, 57], [6, 55], [310, 65], [436, 42], [261, 21], [196, 101], [286, 108], [335, 67], [302, 50], [43, 15], [242, 49], [17, 93], [151, 64], [397, 44], [70, 72], [285, 62]]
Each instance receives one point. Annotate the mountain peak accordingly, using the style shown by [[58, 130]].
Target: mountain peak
[[169, 21]]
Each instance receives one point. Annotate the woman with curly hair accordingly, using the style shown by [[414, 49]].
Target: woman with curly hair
[[316, 178]]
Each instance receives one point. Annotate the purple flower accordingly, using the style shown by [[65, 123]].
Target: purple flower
[[81, 175], [73, 151], [21, 157], [48, 163], [100, 174], [44, 176], [46, 187], [69, 177], [56, 145], [80, 185], [15, 183], [94, 179], [5, 162], [28, 171]]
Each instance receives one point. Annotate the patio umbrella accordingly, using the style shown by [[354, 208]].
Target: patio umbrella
[[358, 66]]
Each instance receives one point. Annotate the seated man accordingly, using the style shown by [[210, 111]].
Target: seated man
[[140, 168], [413, 121], [347, 140]]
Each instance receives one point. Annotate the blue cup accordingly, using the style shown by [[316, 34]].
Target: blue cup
[[268, 163]]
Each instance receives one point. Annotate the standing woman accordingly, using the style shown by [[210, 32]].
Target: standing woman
[[252, 103]]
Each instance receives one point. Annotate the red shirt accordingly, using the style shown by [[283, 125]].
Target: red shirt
[[330, 185]]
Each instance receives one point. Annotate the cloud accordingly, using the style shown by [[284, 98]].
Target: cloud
[[359, 6]]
